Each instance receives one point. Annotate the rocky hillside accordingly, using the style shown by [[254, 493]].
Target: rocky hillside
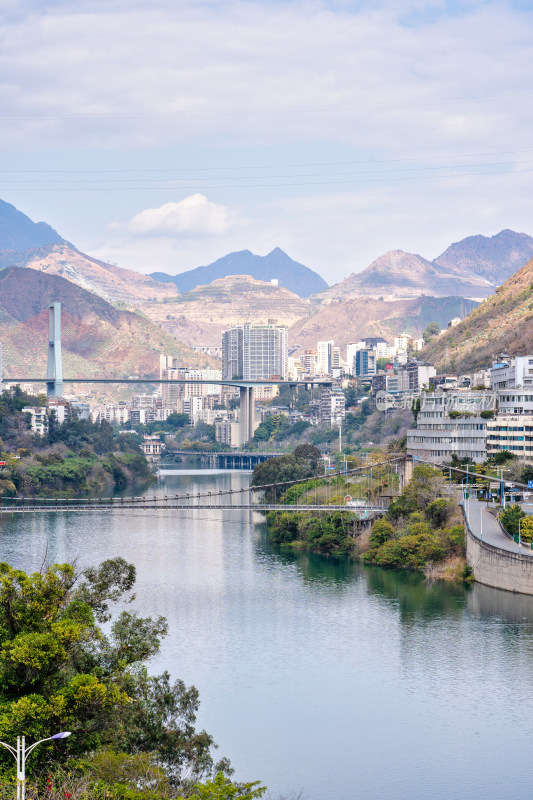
[[398, 275], [114, 284], [503, 322], [276, 265], [495, 258], [350, 320], [199, 317], [98, 340]]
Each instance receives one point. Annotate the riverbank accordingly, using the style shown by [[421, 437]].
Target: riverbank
[[422, 529], [75, 458]]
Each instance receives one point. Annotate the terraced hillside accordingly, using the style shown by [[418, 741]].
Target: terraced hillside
[[199, 317]]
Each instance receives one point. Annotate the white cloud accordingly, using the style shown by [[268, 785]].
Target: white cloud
[[193, 216]]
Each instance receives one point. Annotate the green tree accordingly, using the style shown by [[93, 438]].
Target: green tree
[[59, 670], [430, 331]]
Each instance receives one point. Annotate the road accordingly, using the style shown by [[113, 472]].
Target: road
[[487, 528]]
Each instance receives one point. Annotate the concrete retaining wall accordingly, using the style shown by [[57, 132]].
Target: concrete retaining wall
[[499, 568]]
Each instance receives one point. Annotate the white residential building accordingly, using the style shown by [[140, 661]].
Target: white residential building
[[324, 359], [512, 432], [332, 406], [512, 373], [39, 419], [450, 423]]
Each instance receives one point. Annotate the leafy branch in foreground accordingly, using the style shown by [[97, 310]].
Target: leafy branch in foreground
[[59, 670]]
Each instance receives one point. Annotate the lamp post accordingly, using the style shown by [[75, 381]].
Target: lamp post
[[22, 752]]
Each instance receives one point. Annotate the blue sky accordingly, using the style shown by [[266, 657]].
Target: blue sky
[[161, 136]]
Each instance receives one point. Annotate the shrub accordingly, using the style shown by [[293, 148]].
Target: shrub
[[439, 511]]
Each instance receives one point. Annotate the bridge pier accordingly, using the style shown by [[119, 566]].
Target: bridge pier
[[54, 372], [405, 472], [246, 413]]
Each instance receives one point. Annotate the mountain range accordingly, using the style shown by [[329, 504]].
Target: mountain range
[[276, 265], [502, 323], [398, 291], [97, 338]]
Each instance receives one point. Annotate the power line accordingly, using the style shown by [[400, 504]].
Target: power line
[[74, 185], [404, 159], [297, 175]]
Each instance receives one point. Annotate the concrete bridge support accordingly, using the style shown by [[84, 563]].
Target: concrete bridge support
[[246, 413], [405, 472], [54, 372]]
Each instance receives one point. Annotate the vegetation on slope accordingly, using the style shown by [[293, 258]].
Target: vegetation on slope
[[503, 322], [77, 457], [423, 528]]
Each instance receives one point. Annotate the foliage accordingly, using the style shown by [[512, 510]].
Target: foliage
[[430, 331], [60, 671], [278, 428], [502, 457], [426, 485], [221, 788], [324, 533], [487, 414], [510, 516], [526, 529], [439, 511], [414, 532], [302, 463]]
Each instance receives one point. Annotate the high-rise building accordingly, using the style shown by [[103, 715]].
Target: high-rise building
[[324, 359], [232, 353], [365, 363], [255, 352]]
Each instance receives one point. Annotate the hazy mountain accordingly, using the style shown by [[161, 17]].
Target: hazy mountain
[[503, 322], [97, 338], [290, 274], [399, 275], [24, 243], [19, 232], [495, 258], [349, 320]]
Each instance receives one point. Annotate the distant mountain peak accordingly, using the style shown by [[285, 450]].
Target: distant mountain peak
[[495, 258], [276, 265], [18, 232]]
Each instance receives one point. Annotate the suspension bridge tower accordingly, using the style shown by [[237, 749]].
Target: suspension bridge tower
[[54, 372]]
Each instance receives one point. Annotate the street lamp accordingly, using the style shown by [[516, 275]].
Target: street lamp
[[20, 755]]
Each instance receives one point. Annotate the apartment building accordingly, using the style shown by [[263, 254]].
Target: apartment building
[[255, 352], [332, 406], [450, 423], [512, 432]]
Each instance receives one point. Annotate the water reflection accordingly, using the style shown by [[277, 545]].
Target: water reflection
[[349, 681]]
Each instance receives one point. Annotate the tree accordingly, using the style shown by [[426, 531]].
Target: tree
[[59, 670], [430, 331]]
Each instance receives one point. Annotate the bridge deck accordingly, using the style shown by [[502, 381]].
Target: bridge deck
[[170, 506]]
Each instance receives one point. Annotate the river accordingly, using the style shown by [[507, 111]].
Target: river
[[315, 674]]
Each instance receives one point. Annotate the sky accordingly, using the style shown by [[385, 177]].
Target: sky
[[160, 136]]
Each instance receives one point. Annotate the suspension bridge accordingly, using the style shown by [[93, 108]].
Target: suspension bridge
[[361, 491]]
